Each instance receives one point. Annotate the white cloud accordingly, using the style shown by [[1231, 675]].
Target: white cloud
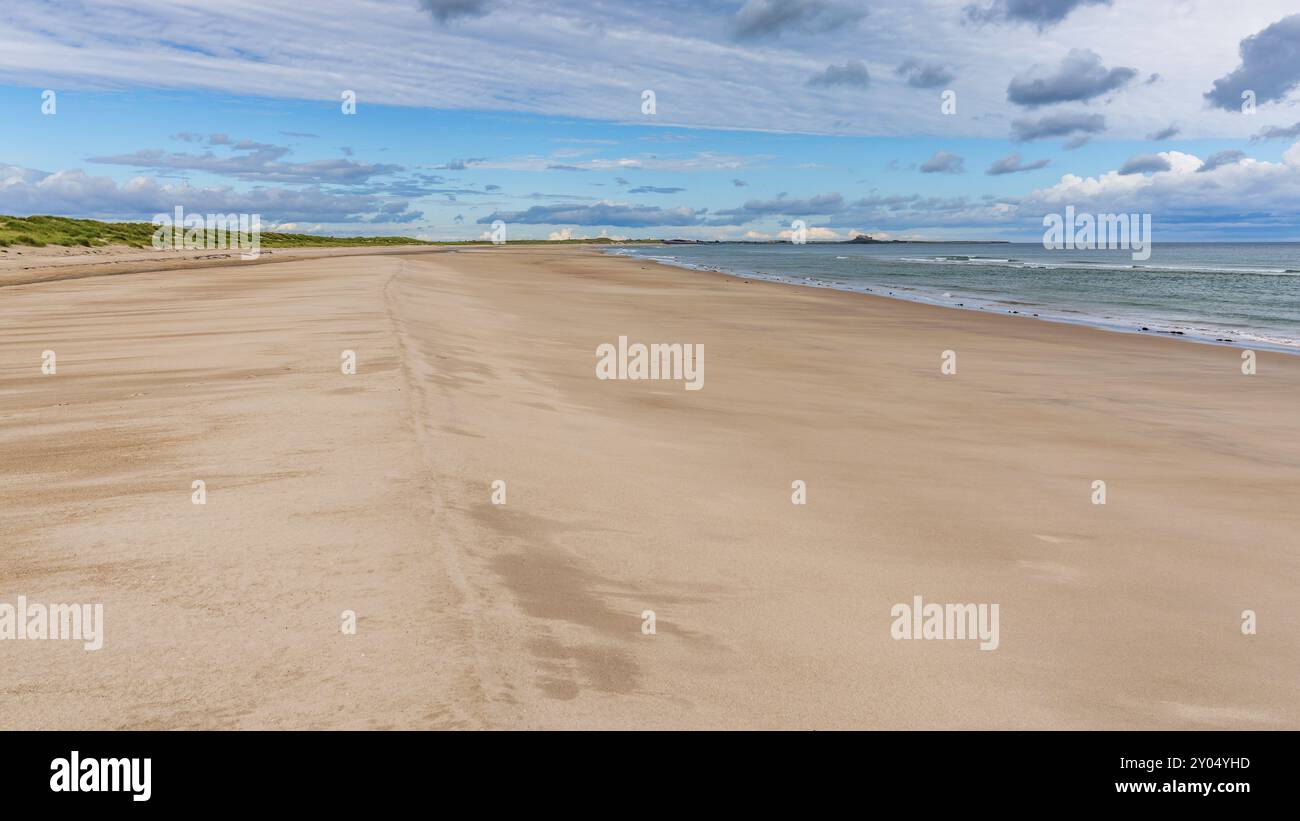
[[73, 192], [592, 59], [699, 161], [1269, 191], [248, 160], [816, 233]]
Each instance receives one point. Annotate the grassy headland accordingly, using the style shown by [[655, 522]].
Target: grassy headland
[[39, 231]]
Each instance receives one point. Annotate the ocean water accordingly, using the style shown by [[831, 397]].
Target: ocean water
[[1245, 294]]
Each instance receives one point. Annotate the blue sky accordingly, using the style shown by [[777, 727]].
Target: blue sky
[[766, 111]]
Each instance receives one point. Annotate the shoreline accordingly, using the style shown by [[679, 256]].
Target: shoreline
[[812, 282], [71, 264]]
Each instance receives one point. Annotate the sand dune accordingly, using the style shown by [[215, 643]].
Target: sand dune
[[372, 492]]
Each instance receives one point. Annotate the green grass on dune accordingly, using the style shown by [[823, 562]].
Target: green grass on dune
[[41, 231]]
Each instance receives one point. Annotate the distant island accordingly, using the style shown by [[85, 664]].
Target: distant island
[[867, 239]]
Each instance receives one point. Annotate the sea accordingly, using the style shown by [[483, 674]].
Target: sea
[[1244, 294]]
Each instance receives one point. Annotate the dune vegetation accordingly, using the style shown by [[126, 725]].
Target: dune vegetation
[[39, 231]]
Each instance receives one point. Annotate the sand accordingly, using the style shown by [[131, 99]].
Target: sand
[[23, 265], [372, 492]]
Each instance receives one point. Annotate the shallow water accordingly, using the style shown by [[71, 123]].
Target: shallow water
[[1243, 293]]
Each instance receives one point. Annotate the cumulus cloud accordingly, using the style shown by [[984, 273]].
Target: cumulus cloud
[[699, 161], [459, 165], [1144, 163], [650, 189], [248, 160], [1222, 158], [923, 75], [74, 193], [943, 163], [445, 10], [853, 73], [815, 233], [622, 215], [10, 174], [1080, 77], [1165, 134], [755, 209], [1042, 14], [1270, 67], [1262, 195], [1275, 132], [907, 211], [1061, 124], [1011, 164], [759, 19]]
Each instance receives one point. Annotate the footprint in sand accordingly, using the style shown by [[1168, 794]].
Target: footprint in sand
[[1052, 571], [1051, 539]]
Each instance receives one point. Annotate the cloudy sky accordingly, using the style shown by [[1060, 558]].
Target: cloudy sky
[[906, 118]]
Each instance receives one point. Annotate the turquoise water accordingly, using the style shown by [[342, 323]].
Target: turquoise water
[[1245, 294]]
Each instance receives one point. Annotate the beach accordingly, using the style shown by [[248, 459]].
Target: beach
[[500, 520]]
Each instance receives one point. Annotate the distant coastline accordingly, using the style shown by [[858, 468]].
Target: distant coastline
[[861, 239]]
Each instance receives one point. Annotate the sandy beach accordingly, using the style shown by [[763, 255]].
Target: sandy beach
[[373, 493]]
